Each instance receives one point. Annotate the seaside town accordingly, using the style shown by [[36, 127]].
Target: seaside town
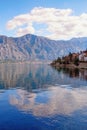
[[72, 60]]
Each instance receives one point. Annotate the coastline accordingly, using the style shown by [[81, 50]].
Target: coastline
[[27, 61], [82, 65]]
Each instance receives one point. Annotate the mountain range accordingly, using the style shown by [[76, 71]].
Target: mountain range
[[36, 48]]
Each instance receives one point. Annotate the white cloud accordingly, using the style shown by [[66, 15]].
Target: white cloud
[[26, 30], [61, 23]]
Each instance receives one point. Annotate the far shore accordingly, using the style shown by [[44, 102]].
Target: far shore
[[82, 65], [22, 62]]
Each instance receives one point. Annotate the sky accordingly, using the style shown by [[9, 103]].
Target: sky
[[55, 19]]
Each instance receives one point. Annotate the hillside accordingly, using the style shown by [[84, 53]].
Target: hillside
[[36, 48]]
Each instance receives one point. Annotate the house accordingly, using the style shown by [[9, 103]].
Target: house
[[83, 56]]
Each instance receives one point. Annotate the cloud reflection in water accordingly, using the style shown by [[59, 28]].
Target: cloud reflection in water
[[59, 100]]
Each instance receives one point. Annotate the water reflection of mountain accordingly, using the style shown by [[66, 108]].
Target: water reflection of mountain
[[33, 76], [25, 75]]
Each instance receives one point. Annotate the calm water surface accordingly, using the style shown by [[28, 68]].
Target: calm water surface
[[39, 97]]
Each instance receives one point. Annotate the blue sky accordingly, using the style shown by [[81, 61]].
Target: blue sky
[[70, 13]]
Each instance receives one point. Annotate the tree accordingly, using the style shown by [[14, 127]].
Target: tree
[[76, 61], [59, 60], [70, 56]]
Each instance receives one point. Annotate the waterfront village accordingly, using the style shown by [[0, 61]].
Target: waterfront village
[[72, 60]]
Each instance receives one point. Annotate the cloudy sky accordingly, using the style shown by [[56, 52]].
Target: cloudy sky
[[56, 19]]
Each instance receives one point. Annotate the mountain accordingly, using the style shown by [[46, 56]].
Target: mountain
[[37, 48]]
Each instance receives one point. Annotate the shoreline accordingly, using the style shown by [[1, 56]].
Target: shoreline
[[29, 62], [82, 65]]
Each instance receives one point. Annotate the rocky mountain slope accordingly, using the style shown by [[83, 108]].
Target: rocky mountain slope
[[36, 48]]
